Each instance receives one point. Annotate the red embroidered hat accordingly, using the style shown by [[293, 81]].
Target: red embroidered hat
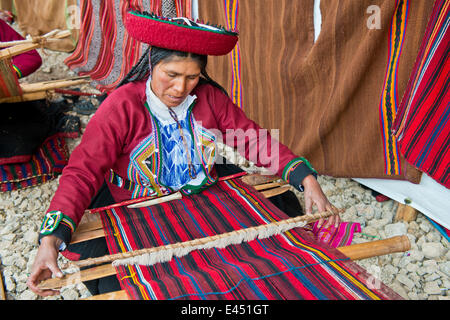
[[180, 34]]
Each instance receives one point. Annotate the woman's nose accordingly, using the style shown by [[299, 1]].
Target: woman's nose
[[180, 85]]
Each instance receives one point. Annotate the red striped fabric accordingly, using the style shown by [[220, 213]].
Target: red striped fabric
[[422, 125], [105, 51], [288, 266], [45, 165]]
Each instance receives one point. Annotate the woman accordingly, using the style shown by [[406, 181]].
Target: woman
[[156, 134]]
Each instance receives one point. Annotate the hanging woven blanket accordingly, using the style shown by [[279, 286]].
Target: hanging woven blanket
[[422, 123], [287, 266], [105, 51], [47, 163]]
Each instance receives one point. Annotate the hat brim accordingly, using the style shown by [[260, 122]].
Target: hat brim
[[165, 33]]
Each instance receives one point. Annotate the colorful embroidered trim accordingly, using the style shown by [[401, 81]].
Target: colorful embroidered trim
[[389, 97], [51, 221], [18, 72], [292, 165], [231, 15]]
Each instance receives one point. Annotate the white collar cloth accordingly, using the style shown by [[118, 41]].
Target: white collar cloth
[[161, 111]]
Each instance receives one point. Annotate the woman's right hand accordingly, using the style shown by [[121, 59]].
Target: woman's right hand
[[45, 265]]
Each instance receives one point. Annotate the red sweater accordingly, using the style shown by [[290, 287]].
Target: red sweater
[[122, 123], [25, 63]]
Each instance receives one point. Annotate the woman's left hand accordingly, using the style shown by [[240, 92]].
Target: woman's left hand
[[314, 196]]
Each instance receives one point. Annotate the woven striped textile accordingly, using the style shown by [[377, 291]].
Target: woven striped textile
[[45, 165], [105, 51], [9, 83], [389, 98], [339, 236], [232, 13], [289, 266], [422, 125]]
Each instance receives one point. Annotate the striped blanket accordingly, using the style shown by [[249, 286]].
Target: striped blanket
[[105, 51], [288, 266], [45, 165], [422, 124]]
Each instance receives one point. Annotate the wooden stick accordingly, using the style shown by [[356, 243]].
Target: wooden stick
[[354, 252], [24, 47], [269, 185], [26, 97], [376, 248], [88, 235], [256, 179], [202, 241], [53, 84], [405, 213], [2, 289], [274, 192], [77, 277], [116, 295], [170, 197], [49, 37]]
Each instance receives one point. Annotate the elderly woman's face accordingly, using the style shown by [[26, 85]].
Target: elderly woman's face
[[173, 81]]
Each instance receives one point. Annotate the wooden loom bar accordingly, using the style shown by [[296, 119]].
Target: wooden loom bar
[[53, 84], [26, 97], [25, 45], [354, 252], [376, 248], [201, 241]]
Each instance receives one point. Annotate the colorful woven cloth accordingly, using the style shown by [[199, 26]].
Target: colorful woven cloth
[[422, 123], [288, 266], [335, 237], [105, 51], [45, 165]]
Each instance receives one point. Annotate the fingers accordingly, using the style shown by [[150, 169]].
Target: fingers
[[36, 277]]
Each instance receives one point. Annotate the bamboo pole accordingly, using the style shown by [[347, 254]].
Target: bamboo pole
[[256, 231], [376, 248], [53, 84], [27, 97], [35, 43]]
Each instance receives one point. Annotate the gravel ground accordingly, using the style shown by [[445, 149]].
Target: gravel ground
[[419, 274]]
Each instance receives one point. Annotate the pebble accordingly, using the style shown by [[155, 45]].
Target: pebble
[[422, 273], [432, 249]]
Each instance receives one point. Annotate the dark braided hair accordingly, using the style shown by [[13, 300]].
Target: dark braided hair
[[154, 55]]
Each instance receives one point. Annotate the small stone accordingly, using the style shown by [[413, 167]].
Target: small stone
[[432, 277], [445, 268], [398, 288], [10, 284], [425, 227], [31, 236], [412, 267], [9, 237], [432, 288], [69, 294], [27, 295], [395, 229], [403, 279], [432, 249]]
